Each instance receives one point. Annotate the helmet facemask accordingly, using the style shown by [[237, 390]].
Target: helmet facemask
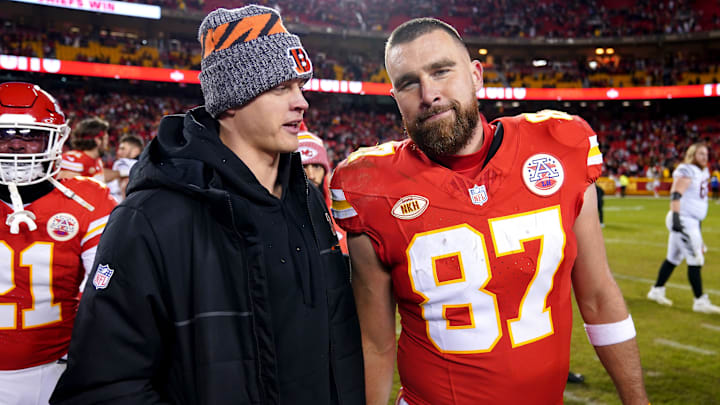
[[30, 153]]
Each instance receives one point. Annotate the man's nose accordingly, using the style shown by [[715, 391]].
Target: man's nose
[[429, 92], [16, 145]]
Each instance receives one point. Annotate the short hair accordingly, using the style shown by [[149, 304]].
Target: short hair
[[133, 140], [410, 30], [691, 150], [86, 131]]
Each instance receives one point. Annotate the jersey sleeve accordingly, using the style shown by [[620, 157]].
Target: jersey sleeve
[[574, 132], [71, 163], [346, 216], [97, 195], [682, 170]]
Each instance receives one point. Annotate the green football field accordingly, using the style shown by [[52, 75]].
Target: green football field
[[680, 349]]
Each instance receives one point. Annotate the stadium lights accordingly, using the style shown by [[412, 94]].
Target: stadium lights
[[593, 64], [483, 51], [626, 104], [609, 51], [646, 103], [539, 62], [599, 51]]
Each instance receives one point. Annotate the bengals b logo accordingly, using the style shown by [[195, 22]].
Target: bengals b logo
[[300, 60]]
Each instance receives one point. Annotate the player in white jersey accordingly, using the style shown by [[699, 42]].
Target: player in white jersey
[[688, 207]]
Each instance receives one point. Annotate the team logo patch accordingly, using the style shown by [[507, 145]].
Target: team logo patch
[[62, 227], [478, 194], [102, 276], [543, 174], [307, 153], [300, 60], [410, 206]]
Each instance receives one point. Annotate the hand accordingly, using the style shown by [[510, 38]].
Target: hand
[[676, 224]]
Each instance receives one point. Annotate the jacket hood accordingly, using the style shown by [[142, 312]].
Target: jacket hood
[[188, 156]]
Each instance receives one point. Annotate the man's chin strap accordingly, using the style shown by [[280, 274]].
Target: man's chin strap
[[20, 214], [71, 194]]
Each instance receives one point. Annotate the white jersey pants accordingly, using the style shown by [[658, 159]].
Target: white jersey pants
[[687, 245], [29, 386]]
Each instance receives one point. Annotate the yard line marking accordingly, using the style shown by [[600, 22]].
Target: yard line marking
[[716, 328], [682, 346], [628, 208], [646, 243], [673, 285], [572, 397], [634, 242]]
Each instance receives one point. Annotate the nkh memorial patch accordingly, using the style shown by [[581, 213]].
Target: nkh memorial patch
[[102, 276]]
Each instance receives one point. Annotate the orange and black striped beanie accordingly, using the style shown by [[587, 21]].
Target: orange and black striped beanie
[[245, 52]]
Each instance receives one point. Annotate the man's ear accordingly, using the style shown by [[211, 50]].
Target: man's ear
[[227, 113], [477, 74]]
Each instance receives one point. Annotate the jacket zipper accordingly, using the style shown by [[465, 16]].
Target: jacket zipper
[[263, 394]]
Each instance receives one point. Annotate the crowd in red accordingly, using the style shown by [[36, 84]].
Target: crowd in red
[[629, 146], [343, 64], [496, 18]]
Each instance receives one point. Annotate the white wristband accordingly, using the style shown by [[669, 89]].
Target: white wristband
[[610, 333]]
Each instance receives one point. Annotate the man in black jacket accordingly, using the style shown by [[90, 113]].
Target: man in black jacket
[[219, 279]]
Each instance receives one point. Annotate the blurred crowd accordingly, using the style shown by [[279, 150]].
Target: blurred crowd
[[496, 18], [637, 147]]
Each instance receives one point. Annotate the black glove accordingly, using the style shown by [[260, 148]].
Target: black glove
[[676, 224]]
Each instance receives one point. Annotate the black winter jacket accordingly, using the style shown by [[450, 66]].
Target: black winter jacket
[[185, 316]]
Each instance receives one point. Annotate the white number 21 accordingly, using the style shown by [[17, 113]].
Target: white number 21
[[38, 258], [468, 293]]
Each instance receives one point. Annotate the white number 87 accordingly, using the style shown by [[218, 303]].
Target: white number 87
[[468, 293]]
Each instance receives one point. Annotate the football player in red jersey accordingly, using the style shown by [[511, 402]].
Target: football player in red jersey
[[47, 243], [477, 231], [90, 140]]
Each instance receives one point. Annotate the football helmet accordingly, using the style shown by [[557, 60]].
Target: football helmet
[[32, 133]]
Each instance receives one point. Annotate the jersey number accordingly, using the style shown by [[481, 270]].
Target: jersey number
[[466, 295], [38, 257]]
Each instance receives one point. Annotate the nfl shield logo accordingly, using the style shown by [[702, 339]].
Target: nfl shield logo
[[102, 276], [478, 195]]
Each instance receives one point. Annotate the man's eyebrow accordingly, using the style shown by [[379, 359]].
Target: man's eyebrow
[[442, 63]]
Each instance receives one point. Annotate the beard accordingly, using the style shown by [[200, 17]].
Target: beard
[[444, 136]]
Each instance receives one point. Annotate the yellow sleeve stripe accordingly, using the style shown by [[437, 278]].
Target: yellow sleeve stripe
[[341, 205], [594, 154], [97, 228], [341, 209]]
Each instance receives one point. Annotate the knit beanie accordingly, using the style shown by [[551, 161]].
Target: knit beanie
[[245, 52], [312, 151]]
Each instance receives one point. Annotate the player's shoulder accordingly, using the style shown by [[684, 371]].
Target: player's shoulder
[[73, 154], [567, 129], [686, 170], [373, 158], [85, 185]]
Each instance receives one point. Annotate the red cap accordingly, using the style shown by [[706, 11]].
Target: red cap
[[312, 150]]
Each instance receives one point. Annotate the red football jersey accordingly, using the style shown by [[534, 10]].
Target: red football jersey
[[480, 266], [79, 162], [41, 271]]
